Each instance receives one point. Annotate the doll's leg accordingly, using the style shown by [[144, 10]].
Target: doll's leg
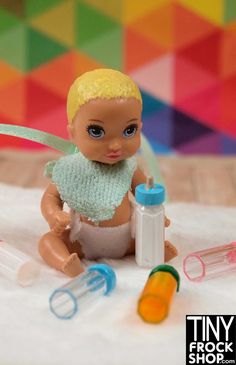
[[170, 250], [131, 249], [57, 253]]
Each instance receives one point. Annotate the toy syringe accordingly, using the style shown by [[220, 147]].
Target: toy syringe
[[17, 266], [215, 261], [80, 292]]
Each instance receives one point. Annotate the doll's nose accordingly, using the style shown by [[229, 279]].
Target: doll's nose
[[115, 145]]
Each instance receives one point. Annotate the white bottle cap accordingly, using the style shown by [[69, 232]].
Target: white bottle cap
[[17, 266]]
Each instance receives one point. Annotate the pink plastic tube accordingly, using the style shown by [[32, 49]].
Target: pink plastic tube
[[209, 263], [17, 266]]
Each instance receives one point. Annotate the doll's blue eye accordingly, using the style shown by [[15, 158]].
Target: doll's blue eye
[[130, 131], [95, 131]]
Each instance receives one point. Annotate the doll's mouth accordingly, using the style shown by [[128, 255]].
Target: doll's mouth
[[114, 155]]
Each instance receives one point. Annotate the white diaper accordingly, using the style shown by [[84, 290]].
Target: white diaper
[[98, 242]]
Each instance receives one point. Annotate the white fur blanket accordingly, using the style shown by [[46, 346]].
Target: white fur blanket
[[110, 332]]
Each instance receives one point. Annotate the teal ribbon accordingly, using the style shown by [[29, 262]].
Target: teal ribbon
[[151, 160], [35, 135], [68, 147]]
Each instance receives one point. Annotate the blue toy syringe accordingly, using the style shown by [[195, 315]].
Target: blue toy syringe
[[78, 293]]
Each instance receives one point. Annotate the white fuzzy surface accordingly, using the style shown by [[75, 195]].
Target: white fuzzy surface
[[110, 332]]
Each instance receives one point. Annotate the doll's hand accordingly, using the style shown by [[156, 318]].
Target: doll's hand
[[167, 222], [61, 221]]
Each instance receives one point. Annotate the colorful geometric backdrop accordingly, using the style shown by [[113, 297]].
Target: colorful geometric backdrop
[[182, 54]]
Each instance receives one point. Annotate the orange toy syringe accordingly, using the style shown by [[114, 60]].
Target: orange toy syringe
[[155, 300]]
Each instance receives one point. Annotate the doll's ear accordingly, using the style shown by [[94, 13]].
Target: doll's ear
[[70, 130]]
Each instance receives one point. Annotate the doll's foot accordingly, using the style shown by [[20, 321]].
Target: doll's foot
[[170, 251], [72, 266]]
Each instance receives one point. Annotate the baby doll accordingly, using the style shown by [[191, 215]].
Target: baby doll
[[104, 113]]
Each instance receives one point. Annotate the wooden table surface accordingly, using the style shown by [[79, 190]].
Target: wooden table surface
[[204, 179]]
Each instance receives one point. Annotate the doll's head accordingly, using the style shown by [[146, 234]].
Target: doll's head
[[104, 113]]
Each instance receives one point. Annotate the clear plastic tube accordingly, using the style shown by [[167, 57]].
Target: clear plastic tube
[[17, 266], [78, 293], [209, 263]]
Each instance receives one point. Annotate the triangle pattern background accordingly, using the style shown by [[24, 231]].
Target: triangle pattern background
[[181, 53]]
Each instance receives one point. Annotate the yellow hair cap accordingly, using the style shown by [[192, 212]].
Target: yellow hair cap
[[100, 83]]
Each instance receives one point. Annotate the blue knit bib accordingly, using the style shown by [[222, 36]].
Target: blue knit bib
[[92, 188]]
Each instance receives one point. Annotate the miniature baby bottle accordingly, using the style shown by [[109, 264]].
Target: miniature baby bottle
[[76, 295], [155, 300], [149, 224]]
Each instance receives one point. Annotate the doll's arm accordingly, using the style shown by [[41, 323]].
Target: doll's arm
[[138, 178], [52, 209]]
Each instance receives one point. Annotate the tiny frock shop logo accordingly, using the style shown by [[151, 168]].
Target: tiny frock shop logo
[[210, 339]]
